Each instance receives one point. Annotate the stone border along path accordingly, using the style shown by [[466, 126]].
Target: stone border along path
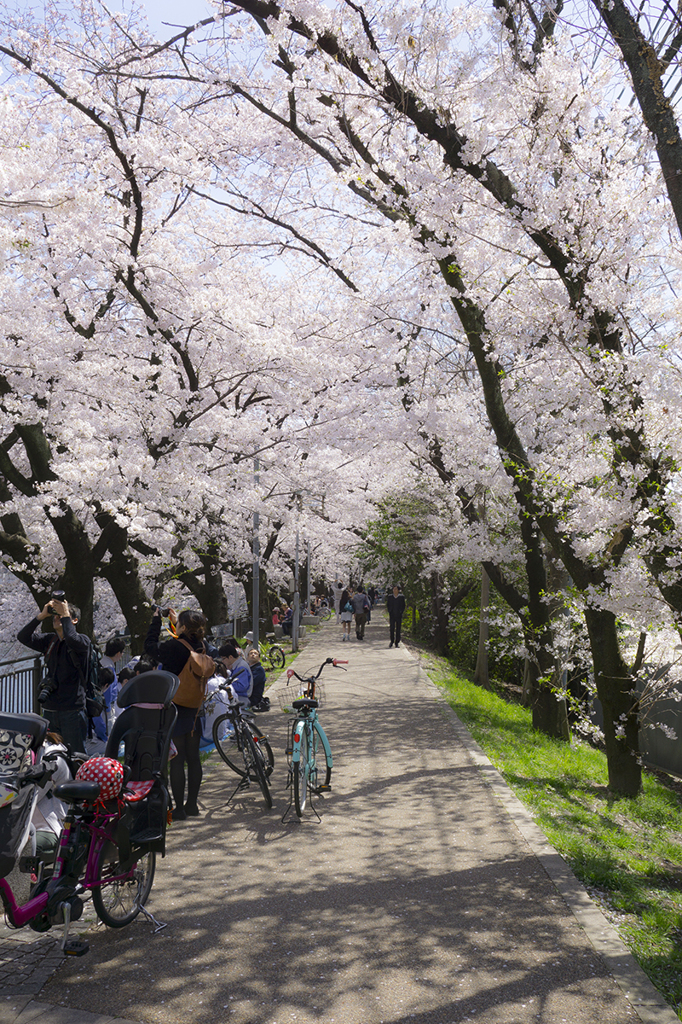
[[426, 895]]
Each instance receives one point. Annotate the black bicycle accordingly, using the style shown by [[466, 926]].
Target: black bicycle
[[241, 744]]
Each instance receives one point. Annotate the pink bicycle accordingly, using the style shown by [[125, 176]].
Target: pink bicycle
[[114, 827]]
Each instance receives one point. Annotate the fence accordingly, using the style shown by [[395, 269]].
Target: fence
[[659, 748], [19, 682]]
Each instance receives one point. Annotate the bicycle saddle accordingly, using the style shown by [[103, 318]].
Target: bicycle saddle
[[74, 792], [304, 702]]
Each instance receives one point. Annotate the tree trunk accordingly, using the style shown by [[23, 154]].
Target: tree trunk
[[439, 615], [214, 598], [123, 576], [481, 677], [550, 714], [615, 691], [527, 686], [78, 578]]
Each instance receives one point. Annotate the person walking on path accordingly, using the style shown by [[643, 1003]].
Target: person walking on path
[[346, 615], [395, 603], [66, 654], [360, 608]]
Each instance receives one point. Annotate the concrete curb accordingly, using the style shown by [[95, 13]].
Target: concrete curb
[[626, 972]]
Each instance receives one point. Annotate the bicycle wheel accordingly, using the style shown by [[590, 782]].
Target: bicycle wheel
[[325, 614], [253, 756], [300, 770], [228, 748], [276, 657], [118, 903]]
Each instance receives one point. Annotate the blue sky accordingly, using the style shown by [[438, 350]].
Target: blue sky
[[175, 12]]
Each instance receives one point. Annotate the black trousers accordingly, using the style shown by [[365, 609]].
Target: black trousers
[[395, 624]]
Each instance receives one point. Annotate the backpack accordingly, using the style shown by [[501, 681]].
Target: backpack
[[94, 698], [196, 673]]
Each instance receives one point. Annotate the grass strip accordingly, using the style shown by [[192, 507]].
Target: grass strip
[[627, 852]]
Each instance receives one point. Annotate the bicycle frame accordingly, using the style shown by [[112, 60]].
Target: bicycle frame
[[67, 855], [60, 893], [310, 723]]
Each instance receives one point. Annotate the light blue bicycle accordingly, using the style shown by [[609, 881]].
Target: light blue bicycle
[[308, 752]]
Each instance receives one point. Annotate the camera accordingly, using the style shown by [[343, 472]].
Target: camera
[[47, 688], [57, 595], [164, 612]]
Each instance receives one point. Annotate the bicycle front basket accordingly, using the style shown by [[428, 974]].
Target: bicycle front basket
[[295, 690]]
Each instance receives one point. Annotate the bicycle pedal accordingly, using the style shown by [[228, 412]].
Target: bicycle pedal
[[289, 751], [324, 788], [76, 947]]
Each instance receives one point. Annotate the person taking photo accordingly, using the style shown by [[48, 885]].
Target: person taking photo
[[66, 653]]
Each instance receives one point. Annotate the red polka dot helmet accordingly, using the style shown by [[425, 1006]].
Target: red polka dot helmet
[[106, 771]]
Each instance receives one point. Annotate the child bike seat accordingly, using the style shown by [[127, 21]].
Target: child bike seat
[[144, 728], [156, 687]]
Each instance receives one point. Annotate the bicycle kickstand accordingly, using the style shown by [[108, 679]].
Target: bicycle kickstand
[[291, 804], [313, 807], [159, 925], [242, 784]]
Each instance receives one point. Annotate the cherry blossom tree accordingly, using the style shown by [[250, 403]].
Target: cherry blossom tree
[[409, 121], [443, 222], [142, 371]]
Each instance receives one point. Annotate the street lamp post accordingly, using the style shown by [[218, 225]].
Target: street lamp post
[[307, 576], [297, 604], [256, 565]]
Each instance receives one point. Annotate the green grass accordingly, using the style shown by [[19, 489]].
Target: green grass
[[627, 852]]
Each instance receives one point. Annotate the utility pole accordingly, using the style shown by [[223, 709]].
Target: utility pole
[[297, 604], [307, 576], [256, 565]]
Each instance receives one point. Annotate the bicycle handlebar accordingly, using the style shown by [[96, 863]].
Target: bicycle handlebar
[[307, 679], [228, 690]]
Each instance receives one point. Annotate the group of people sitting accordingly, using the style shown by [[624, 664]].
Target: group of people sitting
[[283, 617]]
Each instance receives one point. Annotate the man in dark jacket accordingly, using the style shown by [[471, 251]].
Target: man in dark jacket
[[258, 701], [395, 603], [360, 608], [67, 654]]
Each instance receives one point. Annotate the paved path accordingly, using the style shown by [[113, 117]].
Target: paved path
[[424, 895]]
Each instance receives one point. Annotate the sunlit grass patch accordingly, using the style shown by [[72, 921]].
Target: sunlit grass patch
[[627, 852]]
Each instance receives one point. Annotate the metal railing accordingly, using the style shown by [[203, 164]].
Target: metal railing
[[19, 684]]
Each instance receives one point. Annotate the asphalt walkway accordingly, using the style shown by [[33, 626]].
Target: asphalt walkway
[[424, 895]]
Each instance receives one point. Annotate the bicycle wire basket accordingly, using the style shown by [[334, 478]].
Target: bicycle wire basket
[[295, 690]]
